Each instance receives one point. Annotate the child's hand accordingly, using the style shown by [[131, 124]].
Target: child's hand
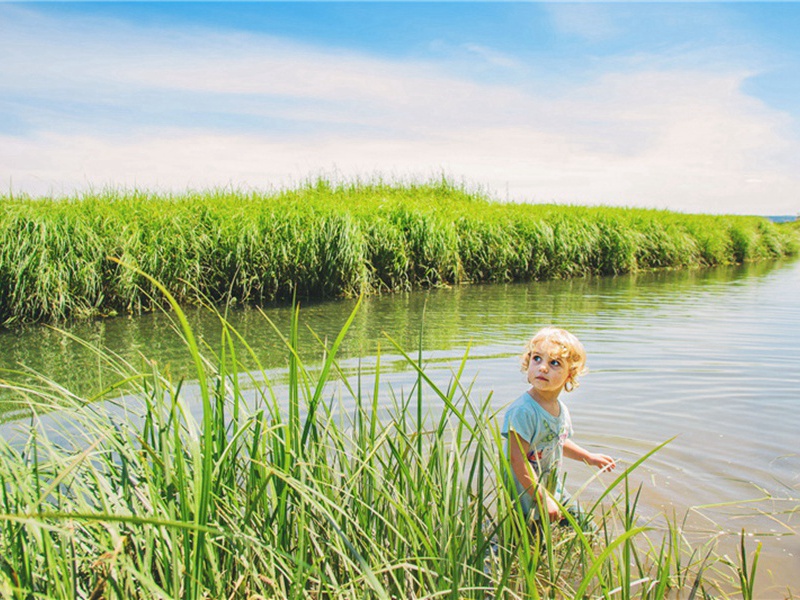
[[602, 462], [553, 512]]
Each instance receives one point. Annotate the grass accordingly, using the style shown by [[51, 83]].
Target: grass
[[324, 240], [280, 493]]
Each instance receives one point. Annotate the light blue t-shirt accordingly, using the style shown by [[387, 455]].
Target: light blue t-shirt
[[545, 435]]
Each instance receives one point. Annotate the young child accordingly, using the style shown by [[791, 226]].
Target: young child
[[537, 426]]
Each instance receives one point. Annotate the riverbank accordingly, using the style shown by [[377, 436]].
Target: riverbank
[[322, 241]]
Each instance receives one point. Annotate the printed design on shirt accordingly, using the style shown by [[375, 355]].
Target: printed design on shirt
[[546, 450]]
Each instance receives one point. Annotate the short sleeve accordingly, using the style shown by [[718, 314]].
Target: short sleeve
[[521, 419]]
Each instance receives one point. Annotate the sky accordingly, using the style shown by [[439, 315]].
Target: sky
[[693, 107]]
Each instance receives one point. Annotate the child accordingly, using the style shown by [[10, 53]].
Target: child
[[537, 426]]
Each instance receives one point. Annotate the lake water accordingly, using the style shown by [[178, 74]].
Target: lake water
[[710, 357]]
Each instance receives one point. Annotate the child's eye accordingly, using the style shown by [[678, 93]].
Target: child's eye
[[536, 358], [555, 363]]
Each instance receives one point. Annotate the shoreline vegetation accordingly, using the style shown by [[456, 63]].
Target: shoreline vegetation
[[285, 495], [325, 240]]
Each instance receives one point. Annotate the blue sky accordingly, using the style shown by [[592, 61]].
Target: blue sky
[[686, 106]]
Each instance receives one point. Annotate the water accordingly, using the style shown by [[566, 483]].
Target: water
[[711, 358]]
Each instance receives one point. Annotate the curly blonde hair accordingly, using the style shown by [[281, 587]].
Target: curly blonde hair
[[563, 345]]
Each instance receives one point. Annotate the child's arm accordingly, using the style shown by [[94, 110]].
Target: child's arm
[[518, 457], [601, 461]]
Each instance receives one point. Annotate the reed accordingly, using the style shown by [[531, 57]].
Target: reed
[[279, 492], [324, 240]]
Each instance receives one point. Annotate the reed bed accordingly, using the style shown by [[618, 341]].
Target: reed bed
[[276, 493], [324, 240]]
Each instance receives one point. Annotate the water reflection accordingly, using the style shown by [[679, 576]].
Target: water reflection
[[493, 318]]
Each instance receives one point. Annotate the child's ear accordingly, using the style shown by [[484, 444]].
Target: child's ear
[[569, 384]]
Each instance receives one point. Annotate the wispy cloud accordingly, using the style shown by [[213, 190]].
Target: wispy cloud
[[589, 21], [112, 104]]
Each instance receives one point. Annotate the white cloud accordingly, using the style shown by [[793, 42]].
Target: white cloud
[[268, 112]]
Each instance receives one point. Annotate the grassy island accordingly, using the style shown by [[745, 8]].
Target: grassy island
[[324, 240]]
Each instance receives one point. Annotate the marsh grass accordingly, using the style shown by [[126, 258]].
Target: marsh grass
[[280, 493], [324, 240]]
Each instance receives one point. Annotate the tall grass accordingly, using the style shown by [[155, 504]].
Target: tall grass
[[281, 493], [323, 240]]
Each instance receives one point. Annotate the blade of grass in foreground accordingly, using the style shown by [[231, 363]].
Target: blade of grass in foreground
[[203, 497]]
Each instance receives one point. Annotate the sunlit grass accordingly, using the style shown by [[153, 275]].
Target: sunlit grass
[[280, 493], [325, 240]]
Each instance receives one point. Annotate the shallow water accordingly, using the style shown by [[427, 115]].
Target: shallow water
[[709, 357]]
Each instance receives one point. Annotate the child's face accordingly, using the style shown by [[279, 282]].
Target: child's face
[[547, 371]]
